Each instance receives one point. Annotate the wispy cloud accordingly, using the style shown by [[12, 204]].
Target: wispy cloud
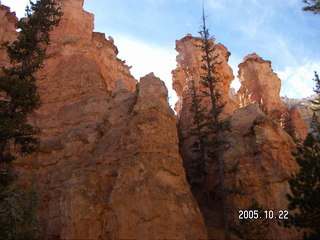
[[297, 81]]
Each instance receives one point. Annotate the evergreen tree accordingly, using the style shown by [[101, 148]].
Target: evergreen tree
[[18, 98], [316, 102], [305, 190], [18, 92], [199, 173], [209, 127], [312, 5]]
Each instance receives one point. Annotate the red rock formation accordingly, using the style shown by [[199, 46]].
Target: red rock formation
[[189, 68], [258, 142], [189, 63], [7, 31], [259, 84], [296, 123], [263, 150], [108, 166]]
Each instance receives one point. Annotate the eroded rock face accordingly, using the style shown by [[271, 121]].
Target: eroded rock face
[[259, 84], [189, 62], [264, 153], [304, 106], [258, 142], [108, 166], [7, 31], [127, 183]]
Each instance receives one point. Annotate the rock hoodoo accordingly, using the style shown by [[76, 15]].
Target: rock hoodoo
[[259, 84], [258, 142], [189, 68]]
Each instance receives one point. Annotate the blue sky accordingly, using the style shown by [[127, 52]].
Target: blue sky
[[145, 32]]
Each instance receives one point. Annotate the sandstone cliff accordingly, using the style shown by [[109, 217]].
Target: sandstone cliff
[[108, 166]]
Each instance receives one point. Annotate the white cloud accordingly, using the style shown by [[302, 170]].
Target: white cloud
[[297, 81], [145, 58], [16, 5]]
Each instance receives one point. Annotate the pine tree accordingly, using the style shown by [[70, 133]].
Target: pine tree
[[305, 190], [209, 127], [18, 92], [199, 173], [18, 98], [313, 6], [316, 101]]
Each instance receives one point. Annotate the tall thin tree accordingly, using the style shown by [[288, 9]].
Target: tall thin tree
[[216, 127], [18, 91]]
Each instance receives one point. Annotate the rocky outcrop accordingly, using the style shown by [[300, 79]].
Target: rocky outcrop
[[189, 63], [259, 145], [263, 152], [259, 84], [108, 166]]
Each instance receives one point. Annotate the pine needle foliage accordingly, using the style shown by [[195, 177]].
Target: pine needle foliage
[[316, 101], [312, 6], [198, 165], [18, 213], [209, 128], [305, 190], [18, 92]]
